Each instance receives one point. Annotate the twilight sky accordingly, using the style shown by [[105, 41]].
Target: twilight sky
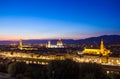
[[66, 19]]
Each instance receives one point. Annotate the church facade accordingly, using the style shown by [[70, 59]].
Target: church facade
[[101, 51], [58, 45]]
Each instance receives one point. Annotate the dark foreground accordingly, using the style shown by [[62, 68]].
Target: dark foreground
[[57, 69]]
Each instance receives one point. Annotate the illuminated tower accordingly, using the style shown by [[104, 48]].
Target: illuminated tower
[[102, 46], [49, 44], [20, 44]]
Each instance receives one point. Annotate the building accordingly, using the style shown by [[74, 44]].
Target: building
[[20, 45], [25, 47], [101, 51], [58, 45]]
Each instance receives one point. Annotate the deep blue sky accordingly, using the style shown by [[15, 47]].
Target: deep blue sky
[[48, 19]]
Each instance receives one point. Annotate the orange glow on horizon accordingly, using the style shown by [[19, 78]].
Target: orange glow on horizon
[[8, 38], [51, 37]]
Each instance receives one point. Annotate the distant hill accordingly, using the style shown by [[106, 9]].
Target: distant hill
[[108, 39]]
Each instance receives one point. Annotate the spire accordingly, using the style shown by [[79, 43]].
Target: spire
[[49, 43], [20, 42], [102, 46]]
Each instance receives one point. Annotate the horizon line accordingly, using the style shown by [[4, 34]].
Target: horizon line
[[52, 38]]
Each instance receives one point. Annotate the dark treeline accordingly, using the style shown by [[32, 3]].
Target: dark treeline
[[57, 69]]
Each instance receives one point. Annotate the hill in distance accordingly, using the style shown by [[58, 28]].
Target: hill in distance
[[108, 39]]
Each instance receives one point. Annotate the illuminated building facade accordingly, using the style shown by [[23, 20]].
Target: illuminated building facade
[[58, 45], [102, 51]]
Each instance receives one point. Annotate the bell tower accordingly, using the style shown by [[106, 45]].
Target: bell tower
[[102, 46], [20, 44]]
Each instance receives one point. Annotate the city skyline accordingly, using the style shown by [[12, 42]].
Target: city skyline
[[54, 19]]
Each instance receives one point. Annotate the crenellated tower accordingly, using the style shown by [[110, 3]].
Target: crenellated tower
[[20, 44]]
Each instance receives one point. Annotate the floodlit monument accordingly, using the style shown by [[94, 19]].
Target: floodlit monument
[[58, 45], [20, 45], [101, 51], [25, 47]]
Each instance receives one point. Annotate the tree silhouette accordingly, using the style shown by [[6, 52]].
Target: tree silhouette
[[92, 71], [16, 68], [63, 69]]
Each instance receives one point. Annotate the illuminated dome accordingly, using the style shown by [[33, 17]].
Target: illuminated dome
[[59, 42]]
